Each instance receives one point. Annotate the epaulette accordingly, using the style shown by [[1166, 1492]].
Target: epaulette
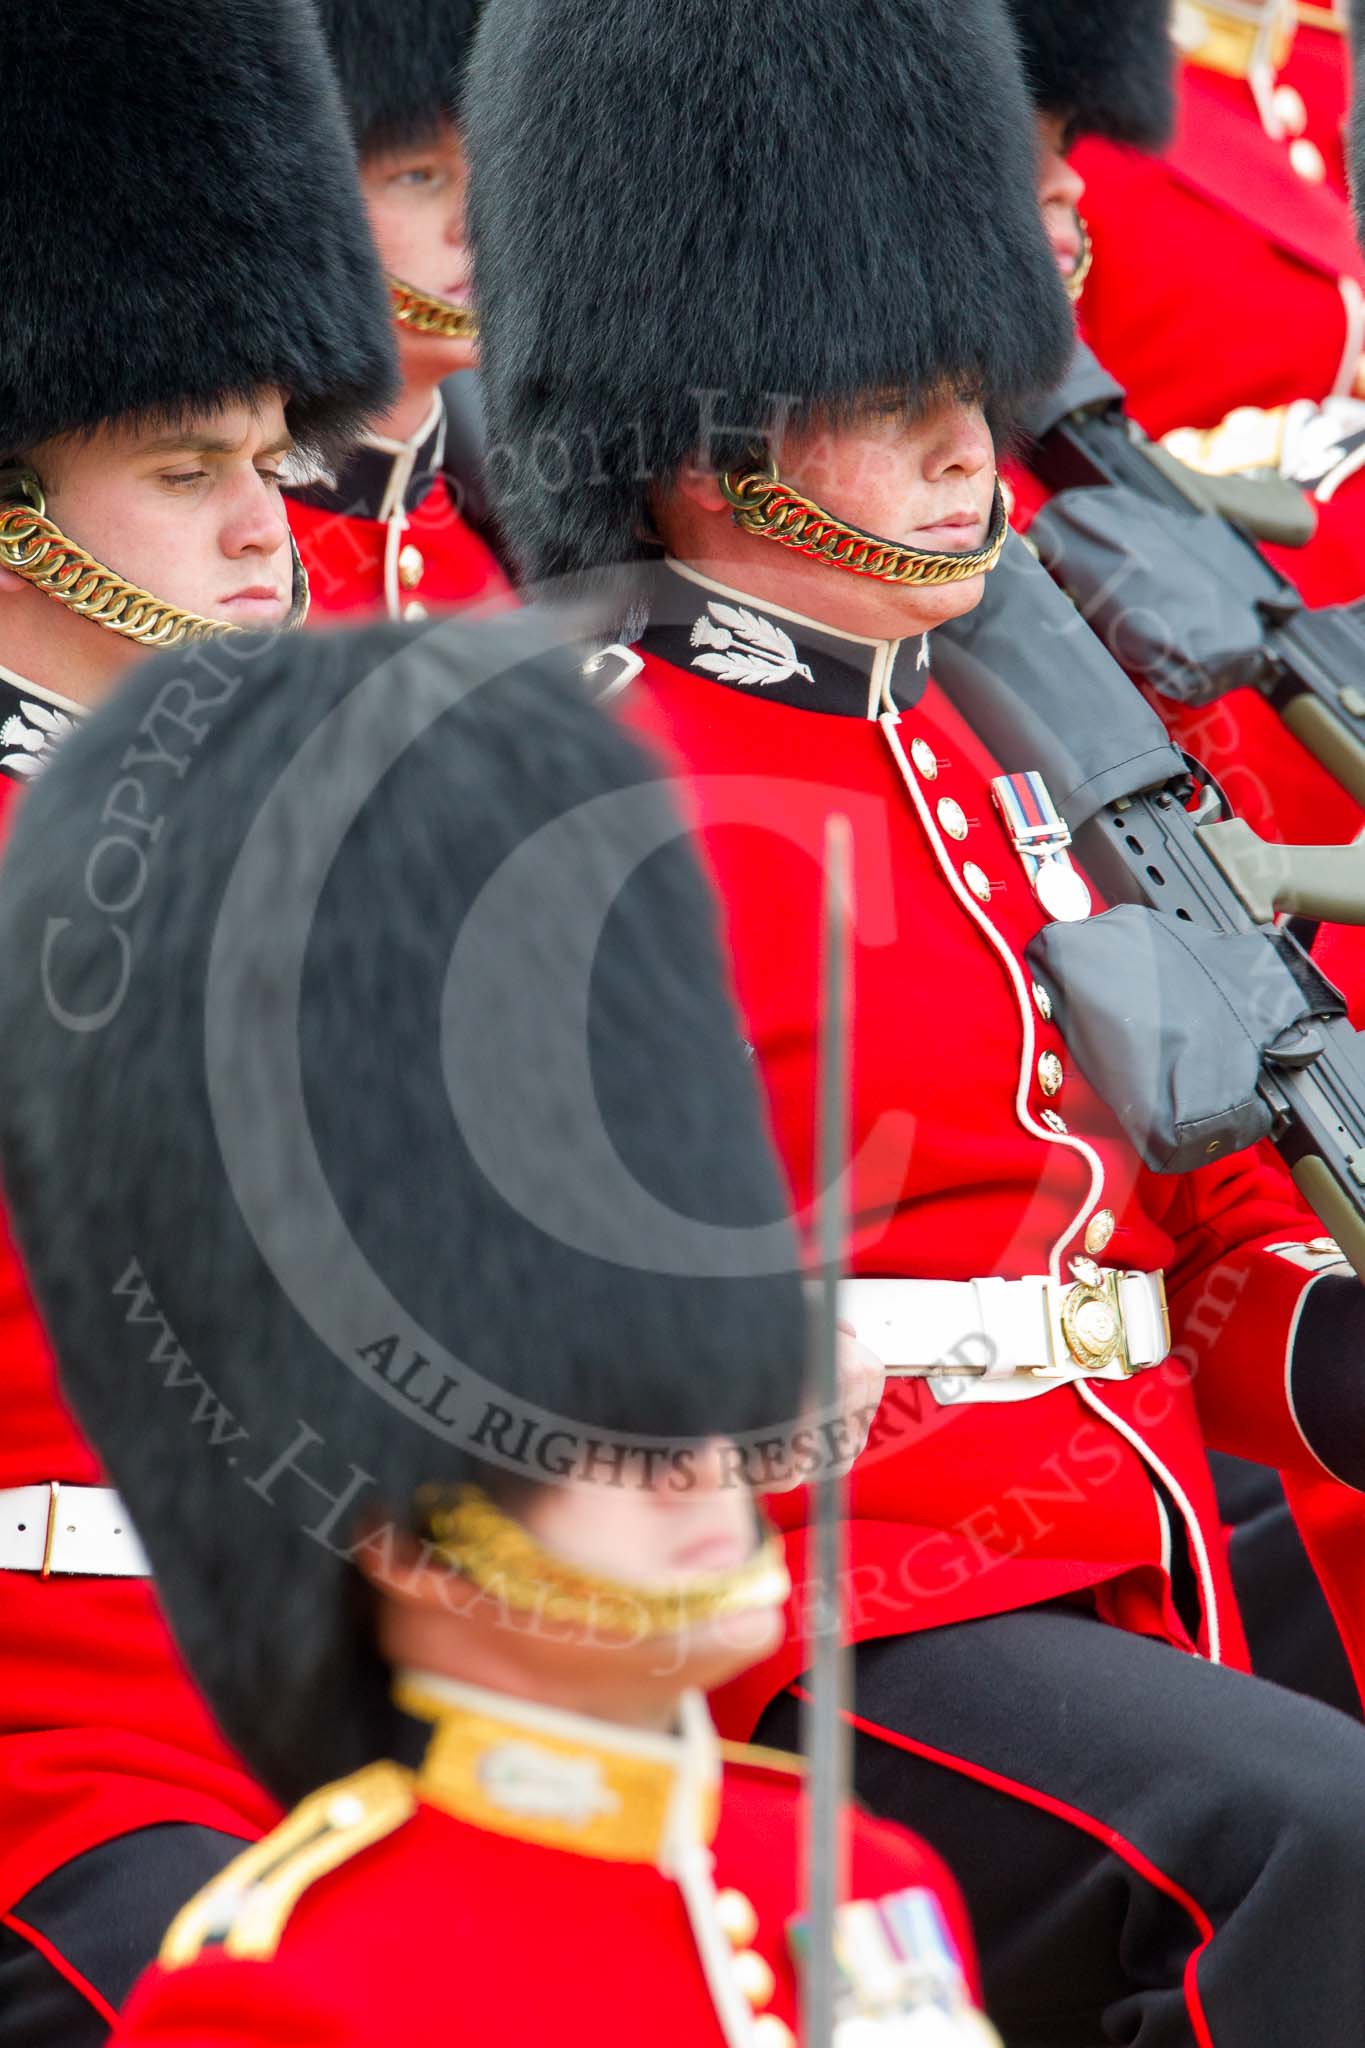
[[753, 1756], [246, 1908]]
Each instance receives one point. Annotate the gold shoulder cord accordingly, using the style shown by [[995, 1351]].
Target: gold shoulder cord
[[246, 1908], [1238, 38], [426, 314], [34, 547], [764, 505]]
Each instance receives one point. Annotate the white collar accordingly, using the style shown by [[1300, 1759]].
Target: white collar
[[877, 659], [40, 694]]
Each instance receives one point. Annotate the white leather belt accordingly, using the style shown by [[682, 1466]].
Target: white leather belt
[[69, 1530], [1103, 1325]]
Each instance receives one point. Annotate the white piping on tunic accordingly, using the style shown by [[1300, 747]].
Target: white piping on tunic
[[1207, 1590], [1299, 1307], [1353, 300], [888, 723], [393, 510]]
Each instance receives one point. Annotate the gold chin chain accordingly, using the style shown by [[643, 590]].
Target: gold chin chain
[[34, 547], [502, 1558], [764, 505], [1085, 263], [426, 314]]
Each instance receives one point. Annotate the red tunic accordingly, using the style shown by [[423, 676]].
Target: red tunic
[[1218, 273], [449, 1926], [388, 537], [969, 1509], [1285, 794], [101, 1729], [1223, 278]]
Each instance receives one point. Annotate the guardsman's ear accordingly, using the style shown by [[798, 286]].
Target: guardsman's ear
[[700, 485]]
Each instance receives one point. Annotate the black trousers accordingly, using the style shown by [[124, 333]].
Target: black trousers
[[1289, 1625], [72, 1948], [1155, 1850]]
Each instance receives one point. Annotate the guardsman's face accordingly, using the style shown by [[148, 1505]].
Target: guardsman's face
[[415, 197], [695, 1517], [191, 512], [1060, 192], [687, 1518], [924, 482]]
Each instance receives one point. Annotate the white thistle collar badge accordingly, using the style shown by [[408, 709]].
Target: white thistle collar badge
[[745, 648]]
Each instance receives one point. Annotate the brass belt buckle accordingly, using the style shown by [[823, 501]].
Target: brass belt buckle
[[1085, 1323]]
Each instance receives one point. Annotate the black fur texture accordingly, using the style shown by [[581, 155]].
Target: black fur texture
[[746, 200], [180, 220], [401, 66], [1106, 67], [113, 1164]]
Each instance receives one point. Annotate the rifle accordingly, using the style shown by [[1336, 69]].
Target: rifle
[[1194, 542], [1123, 790], [1084, 437]]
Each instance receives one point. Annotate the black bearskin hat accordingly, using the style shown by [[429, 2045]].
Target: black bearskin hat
[[1106, 69], [401, 66], [344, 1141], [794, 205], [180, 220]]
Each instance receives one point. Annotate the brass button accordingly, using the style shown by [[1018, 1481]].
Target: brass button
[[737, 1918], [1289, 109], [754, 1976], [952, 818], [771, 2032], [1098, 1231], [1306, 159], [1043, 1001], [411, 566], [1051, 1074], [414, 611], [925, 759], [977, 881], [1054, 1122]]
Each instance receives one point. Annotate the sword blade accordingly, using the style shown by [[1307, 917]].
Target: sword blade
[[827, 1738]]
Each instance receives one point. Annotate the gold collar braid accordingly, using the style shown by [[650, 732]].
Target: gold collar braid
[[34, 547], [502, 1558], [764, 505], [426, 314]]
